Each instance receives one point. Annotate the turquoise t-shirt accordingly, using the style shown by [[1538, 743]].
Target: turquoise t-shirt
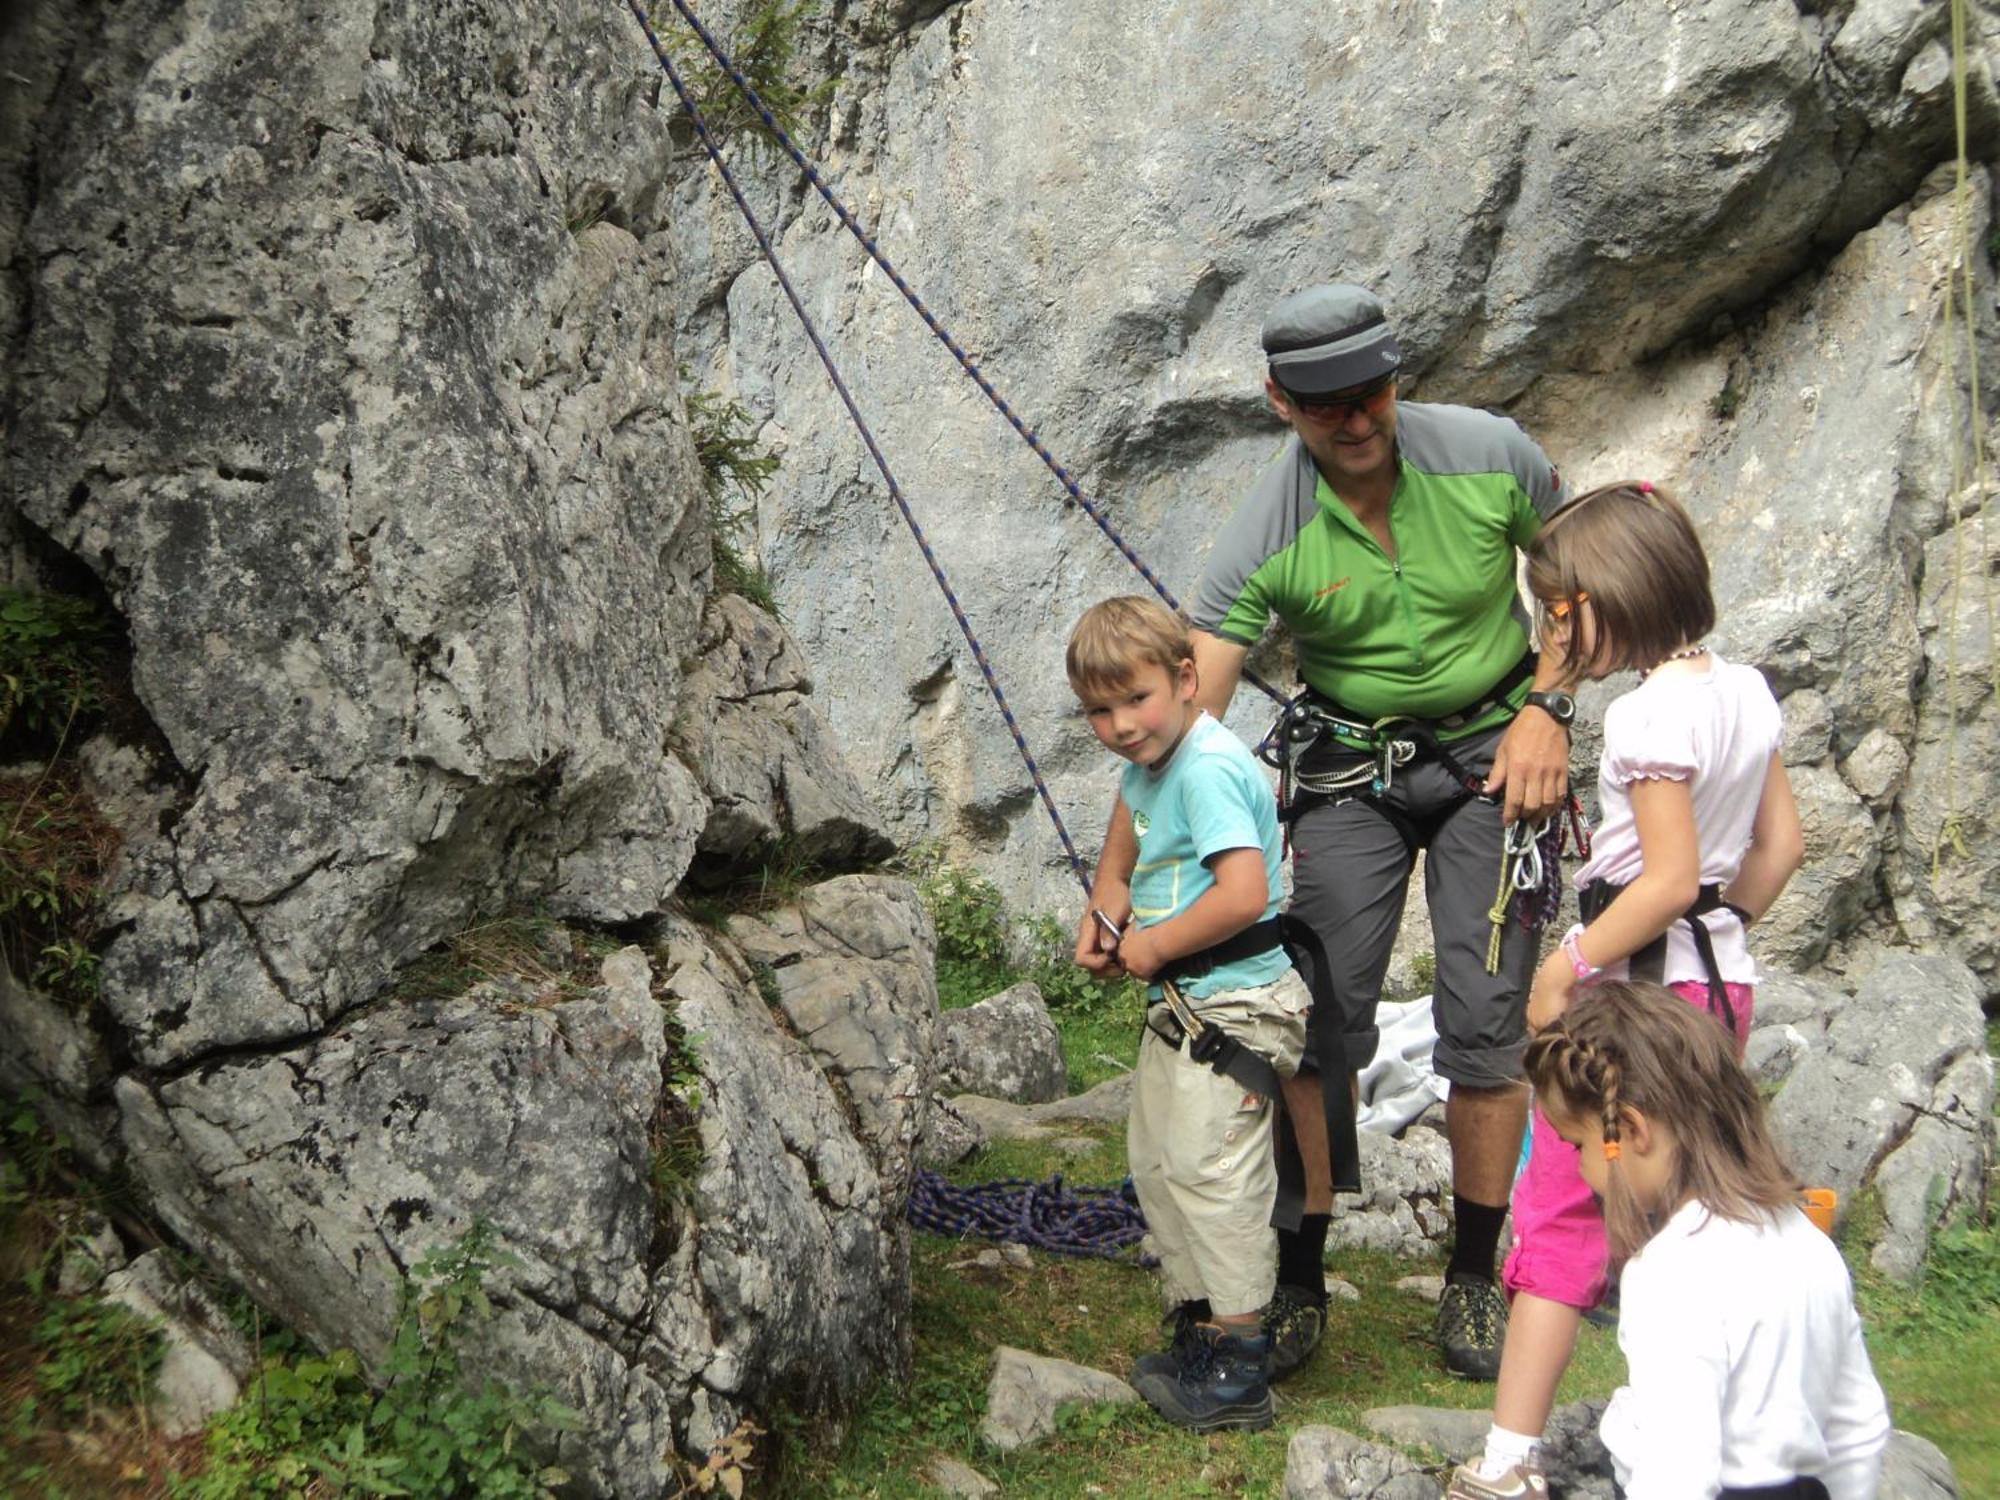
[[1212, 797]]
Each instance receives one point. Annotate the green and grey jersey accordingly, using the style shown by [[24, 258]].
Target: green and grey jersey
[[1424, 633]]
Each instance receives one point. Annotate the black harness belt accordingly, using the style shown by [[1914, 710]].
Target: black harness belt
[[1650, 962], [1174, 1021]]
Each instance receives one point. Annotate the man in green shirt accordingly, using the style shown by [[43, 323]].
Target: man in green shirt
[[1384, 538]]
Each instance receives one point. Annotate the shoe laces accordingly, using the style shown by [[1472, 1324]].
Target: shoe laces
[[1472, 1315]]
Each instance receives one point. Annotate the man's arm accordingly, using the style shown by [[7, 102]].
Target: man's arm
[[1218, 667]]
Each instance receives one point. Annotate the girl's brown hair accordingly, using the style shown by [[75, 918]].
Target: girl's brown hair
[[1632, 550], [1119, 636], [1632, 1046]]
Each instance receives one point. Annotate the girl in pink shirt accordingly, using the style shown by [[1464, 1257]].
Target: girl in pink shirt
[[1698, 834]]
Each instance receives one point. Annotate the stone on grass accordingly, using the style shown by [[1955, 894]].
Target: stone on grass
[[1915, 1469], [91, 1251], [1005, 1047], [1001, 1120], [1454, 1432], [1430, 1288], [1324, 1463], [949, 1135], [1027, 1391], [959, 1480], [1342, 1291], [206, 1360]]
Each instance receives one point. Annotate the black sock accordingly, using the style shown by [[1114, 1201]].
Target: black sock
[[1478, 1241], [1302, 1256], [1198, 1309]]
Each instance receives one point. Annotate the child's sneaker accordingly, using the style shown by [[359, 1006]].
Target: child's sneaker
[[1295, 1322], [1521, 1482], [1223, 1382]]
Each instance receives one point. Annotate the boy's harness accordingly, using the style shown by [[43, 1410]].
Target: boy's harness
[[1174, 1021], [1650, 962]]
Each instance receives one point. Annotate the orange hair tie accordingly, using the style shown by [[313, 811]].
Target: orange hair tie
[[1611, 1151]]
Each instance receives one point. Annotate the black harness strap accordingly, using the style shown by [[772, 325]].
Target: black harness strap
[[1215, 1049], [1650, 962]]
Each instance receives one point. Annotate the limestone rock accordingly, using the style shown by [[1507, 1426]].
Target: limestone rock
[[949, 1135], [1875, 767], [959, 1480], [1000, 1119], [1574, 1458], [1004, 1047], [748, 730], [205, 1361], [1899, 1093], [1324, 1463], [855, 981], [1454, 1432], [1915, 1469], [1405, 1205], [91, 1250], [1026, 1391], [1429, 1288]]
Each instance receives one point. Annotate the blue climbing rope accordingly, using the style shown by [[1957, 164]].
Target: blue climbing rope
[[1102, 1222], [764, 244], [944, 335]]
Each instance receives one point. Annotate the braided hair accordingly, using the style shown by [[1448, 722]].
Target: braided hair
[[1626, 1047]]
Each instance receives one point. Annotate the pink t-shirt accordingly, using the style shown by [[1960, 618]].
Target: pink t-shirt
[[1716, 730]]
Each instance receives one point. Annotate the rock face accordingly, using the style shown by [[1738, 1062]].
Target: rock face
[[1893, 1087], [667, 1308], [1700, 246]]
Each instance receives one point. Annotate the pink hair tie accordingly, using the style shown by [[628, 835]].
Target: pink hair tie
[[1645, 486]]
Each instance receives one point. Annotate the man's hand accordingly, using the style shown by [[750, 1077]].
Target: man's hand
[[1552, 991], [1531, 767]]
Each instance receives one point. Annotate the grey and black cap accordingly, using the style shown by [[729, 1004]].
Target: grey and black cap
[[1329, 338]]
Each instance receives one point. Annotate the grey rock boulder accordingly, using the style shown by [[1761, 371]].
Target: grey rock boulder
[[1025, 1393], [1572, 1455], [1004, 1047], [1324, 1463], [1001, 1119], [1915, 1468], [1899, 1094], [1405, 1205], [950, 1135]]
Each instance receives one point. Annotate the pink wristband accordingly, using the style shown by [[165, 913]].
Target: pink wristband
[[1585, 969]]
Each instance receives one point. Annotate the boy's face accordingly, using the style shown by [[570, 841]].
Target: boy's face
[[1145, 717]]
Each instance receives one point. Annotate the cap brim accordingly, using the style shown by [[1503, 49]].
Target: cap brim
[[1338, 366]]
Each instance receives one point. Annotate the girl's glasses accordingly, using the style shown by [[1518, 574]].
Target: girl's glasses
[[1559, 609]]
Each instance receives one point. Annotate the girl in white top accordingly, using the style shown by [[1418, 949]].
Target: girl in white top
[[1746, 1372], [1698, 834]]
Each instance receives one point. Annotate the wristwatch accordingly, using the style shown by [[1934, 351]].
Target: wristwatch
[[1558, 706]]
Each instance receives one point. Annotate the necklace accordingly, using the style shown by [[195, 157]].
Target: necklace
[[1686, 653]]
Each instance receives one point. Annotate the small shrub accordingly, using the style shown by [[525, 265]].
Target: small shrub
[[96, 1356], [52, 661], [736, 471], [434, 1429], [555, 961], [1722, 406], [764, 48], [55, 847]]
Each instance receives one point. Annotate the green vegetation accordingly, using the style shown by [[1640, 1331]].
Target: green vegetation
[[736, 471], [1722, 405], [55, 682], [95, 1355], [434, 1429], [764, 47]]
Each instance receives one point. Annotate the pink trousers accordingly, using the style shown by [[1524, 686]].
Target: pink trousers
[[1559, 1251]]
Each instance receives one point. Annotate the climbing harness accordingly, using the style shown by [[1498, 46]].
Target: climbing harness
[[1650, 962], [1085, 1221]]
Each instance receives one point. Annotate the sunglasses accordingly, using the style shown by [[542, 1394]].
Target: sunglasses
[[1372, 398], [1559, 609]]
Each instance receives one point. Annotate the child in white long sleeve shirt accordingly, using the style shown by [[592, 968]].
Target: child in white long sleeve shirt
[[1747, 1373]]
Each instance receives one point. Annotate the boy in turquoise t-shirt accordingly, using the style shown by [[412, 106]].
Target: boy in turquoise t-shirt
[[1191, 859]]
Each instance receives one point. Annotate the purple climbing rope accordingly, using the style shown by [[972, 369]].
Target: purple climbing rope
[[1085, 1221]]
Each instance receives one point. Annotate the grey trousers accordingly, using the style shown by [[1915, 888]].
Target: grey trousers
[[1351, 869]]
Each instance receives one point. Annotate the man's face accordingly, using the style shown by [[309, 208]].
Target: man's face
[[1351, 434]]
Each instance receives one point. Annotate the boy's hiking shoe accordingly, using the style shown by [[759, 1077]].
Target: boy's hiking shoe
[[1471, 1323], [1295, 1322], [1522, 1482], [1224, 1381], [1168, 1361]]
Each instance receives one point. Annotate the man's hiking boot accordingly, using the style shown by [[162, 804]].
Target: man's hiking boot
[[1224, 1381], [1521, 1482], [1295, 1320], [1471, 1324], [1183, 1321]]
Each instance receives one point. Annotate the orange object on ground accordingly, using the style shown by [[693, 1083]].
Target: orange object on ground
[[1821, 1205]]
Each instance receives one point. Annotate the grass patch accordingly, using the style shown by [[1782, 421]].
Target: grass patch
[[539, 960]]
